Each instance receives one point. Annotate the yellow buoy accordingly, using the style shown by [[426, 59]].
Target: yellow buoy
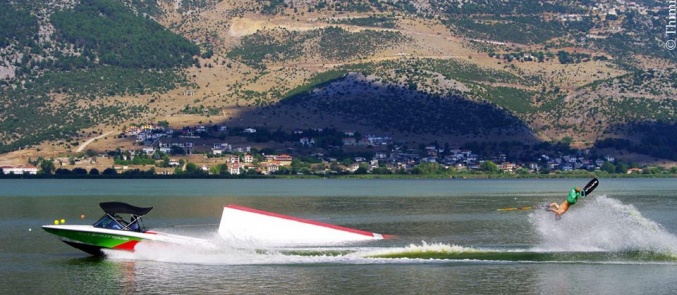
[[63, 221], [56, 221]]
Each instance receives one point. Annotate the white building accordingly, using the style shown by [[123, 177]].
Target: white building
[[20, 170]]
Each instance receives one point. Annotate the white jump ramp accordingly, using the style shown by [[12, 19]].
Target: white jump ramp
[[248, 224]]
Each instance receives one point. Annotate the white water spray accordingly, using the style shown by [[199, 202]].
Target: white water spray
[[240, 252], [601, 224]]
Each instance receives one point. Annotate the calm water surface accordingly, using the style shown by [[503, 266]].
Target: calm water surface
[[451, 238]]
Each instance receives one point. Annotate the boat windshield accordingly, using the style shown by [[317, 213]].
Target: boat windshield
[[114, 221]]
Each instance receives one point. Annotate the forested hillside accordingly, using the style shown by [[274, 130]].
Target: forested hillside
[[98, 49], [581, 72]]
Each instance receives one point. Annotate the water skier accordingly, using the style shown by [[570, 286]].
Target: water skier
[[560, 209]]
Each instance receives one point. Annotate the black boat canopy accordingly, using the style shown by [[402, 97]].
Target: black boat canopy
[[120, 207]]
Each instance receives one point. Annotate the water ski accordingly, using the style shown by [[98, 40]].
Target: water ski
[[588, 188]]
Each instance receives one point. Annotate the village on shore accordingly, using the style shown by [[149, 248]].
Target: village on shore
[[202, 150]]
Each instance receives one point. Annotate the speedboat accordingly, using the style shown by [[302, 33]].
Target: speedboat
[[114, 232]]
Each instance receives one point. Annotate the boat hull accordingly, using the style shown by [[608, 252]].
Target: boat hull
[[93, 240], [89, 249]]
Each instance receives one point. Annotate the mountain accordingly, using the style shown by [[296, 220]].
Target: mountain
[[582, 72]]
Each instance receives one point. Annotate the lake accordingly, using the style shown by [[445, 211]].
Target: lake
[[451, 239]]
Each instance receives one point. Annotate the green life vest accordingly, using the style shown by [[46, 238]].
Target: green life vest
[[573, 196]]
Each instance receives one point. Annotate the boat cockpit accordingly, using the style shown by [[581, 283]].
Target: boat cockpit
[[115, 221], [112, 219]]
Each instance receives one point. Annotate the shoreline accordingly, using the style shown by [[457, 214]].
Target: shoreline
[[367, 176]]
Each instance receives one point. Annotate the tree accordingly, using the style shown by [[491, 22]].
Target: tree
[[109, 171], [622, 167], [608, 167], [334, 166], [192, 169], [381, 170], [79, 171], [47, 167], [214, 170], [429, 168], [296, 164], [417, 170], [165, 161], [522, 171], [347, 162], [361, 170], [177, 150], [62, 171], [221, 169], [489, 167]]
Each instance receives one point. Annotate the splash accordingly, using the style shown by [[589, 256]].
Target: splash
[[238, 252], [601, 224]]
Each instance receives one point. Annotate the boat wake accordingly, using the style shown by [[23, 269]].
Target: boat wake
[[599, 230], [458, 253]]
